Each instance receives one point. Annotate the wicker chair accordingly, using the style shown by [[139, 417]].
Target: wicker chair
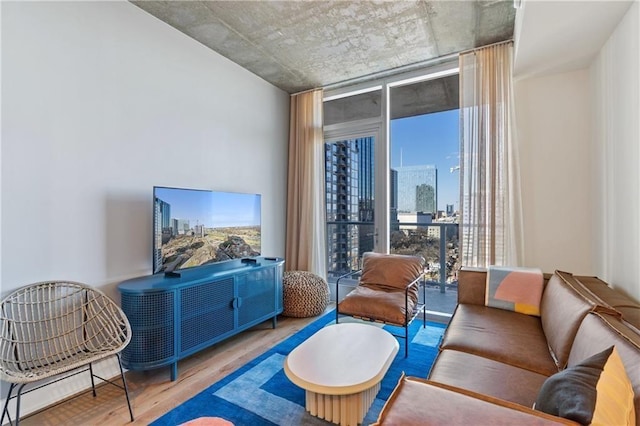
[[51, 328], [387, 292]]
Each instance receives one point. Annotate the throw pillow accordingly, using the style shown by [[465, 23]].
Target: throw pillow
[[583, 392], [514, 289], [614, 400]]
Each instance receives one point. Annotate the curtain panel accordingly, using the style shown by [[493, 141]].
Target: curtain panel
[[305, 245], [491, 214]]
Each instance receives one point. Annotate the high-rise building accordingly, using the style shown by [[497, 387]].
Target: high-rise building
[[180, 226], [417, 189], [449, 210], [365, 178], [366, 195], [393, 193], [162, 212], [342, 187], [425, 199]]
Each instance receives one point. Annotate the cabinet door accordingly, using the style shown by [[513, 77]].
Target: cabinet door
[[257, 295], [206, 312], [151, 316]]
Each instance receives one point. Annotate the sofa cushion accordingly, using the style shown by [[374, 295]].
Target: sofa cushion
[[504, 336], [487, 376], [597, 390], [514, 289], [417, 401], [379, 303], [562, 309], [599, 331]]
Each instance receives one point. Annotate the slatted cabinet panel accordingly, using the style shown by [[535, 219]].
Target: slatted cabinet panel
[[174, 317]]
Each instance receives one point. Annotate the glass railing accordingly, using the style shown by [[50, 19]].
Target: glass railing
[[436, 242], [346, 242]]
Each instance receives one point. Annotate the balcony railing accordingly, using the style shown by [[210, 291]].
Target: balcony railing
[[437, 242]]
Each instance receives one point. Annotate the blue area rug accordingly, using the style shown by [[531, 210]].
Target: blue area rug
[[259, 393]]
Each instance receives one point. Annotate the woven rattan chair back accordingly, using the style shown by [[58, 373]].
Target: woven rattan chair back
[[50, 328]]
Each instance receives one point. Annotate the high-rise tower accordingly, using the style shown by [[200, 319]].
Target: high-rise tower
[[418, 189]]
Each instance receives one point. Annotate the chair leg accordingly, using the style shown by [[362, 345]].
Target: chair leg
[[6, 405], [18, 403], [93, 384], [406, 340], [424, 316], [424, 306], [126, 388]]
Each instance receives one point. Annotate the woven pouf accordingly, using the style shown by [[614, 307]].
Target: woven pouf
[[305, 294]]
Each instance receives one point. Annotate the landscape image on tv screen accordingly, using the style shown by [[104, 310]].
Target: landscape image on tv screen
[[197, 227]]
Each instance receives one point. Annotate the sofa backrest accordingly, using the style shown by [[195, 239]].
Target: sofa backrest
[[599, 331], [629, 308], [472, 285], [562, 309]]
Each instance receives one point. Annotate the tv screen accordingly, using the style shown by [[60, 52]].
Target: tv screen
[[195, 227]]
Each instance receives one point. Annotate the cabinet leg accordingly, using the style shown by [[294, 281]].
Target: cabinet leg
[[174, 371], [274, 321]]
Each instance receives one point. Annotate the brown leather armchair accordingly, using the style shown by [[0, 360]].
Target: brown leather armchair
[[387, 291]]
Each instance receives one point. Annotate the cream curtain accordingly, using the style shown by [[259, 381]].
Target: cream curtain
[[491, 215], [305, 246]]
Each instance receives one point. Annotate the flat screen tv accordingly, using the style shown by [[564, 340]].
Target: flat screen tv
[[193, 227]]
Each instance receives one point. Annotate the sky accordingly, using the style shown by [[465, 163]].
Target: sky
[[212, 208], [430, 139]]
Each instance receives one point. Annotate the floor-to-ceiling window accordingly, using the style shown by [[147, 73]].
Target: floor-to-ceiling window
[[387, 149], [424, 184], [352, 142]]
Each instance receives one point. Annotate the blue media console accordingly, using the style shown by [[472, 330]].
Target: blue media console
[[174, 317]]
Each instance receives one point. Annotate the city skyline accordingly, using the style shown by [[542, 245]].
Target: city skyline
[[413, 183], [212, 209], [430, 140]]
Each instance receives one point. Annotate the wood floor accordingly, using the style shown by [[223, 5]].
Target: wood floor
[[153, 393]]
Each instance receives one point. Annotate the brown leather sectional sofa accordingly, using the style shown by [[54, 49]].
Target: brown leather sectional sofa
[[492, 362]]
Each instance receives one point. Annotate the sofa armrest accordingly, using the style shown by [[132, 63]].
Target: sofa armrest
[[420, 401], [472, 285]]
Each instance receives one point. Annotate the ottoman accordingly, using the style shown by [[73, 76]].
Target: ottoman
[[305, 294]]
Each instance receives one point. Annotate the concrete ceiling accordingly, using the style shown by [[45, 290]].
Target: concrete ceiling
[[425, 97], [299, 45]]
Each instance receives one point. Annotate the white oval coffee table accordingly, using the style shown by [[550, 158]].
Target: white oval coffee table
[[340, 368]]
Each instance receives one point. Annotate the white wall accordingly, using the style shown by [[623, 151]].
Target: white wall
[[580, 142], [616, 154], [101, 101], [552, 114]]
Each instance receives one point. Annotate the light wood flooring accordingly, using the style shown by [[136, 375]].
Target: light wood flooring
[[153, 393]]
